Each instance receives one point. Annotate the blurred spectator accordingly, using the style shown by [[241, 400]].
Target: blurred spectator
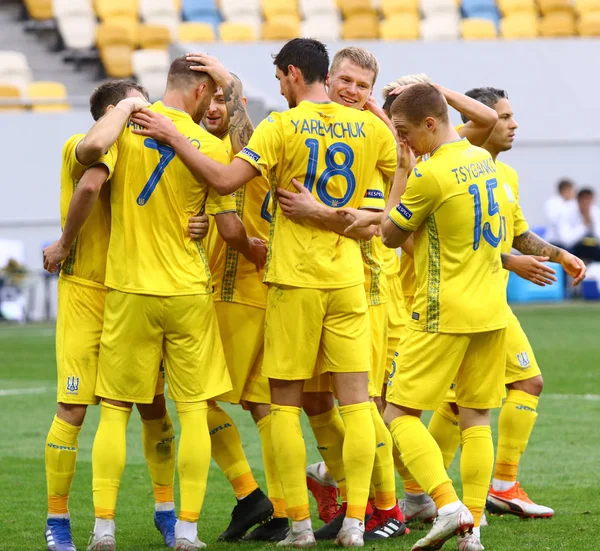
[[579, 230], [557, 208]]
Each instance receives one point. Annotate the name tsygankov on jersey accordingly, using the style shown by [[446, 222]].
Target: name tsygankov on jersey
[[474, 170], [334, 130]]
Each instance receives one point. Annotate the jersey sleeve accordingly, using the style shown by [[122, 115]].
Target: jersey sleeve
[[73, 166], [520, 225], [423, 196], [109, 159], [215, 203], [265, 146], [374, 198]]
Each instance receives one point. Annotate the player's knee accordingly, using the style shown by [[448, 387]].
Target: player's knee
[[317, 403], [533, 386], [156, 410], [258, 411], [74, 414]]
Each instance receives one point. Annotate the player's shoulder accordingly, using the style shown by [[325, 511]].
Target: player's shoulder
[[508, 170], [72, 141]]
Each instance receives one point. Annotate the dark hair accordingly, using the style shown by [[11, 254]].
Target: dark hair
[[565, 184], [420, 101], [111, 93], [585, 192], [180, 74], [488, 96], [308, 55], [387, 104]]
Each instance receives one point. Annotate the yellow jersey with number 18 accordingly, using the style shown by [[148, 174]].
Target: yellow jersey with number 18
[[452, 205], [86, 262], [336, 152], [153, 195]]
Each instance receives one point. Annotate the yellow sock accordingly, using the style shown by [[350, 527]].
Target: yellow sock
[[384, 478], [515, 424], [290, 457], [60, 456], [193, 461], [359, 456], [329, 432], [476, 464], [108, 458], [411, 486], [158, 438], [228, 453], [274, 488], [423, 458], [445, 430]]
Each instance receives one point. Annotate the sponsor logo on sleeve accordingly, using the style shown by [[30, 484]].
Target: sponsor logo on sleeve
[[249, 153], [404, 211], [374, 194]]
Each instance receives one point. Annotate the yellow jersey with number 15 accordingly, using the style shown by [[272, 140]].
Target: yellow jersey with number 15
[[452, 205], [153, 195], [336, 152]]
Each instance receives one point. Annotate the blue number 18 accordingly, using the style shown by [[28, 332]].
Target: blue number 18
[[493, 208]]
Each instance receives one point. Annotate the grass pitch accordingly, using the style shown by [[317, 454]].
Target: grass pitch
[[559, 469]]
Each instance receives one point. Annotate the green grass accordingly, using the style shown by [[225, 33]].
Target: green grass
[[560, 467]]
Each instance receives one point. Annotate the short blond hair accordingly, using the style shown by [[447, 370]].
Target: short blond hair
[[406, 80], [359, 56]]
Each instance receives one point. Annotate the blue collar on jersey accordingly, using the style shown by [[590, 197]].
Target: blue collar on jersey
[[446, 143]]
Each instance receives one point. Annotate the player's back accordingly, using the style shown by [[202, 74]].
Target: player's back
[[459, 272], [153, 195]]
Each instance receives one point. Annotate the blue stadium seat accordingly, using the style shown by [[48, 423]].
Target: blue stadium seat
[[520, 290], [481, 9], [201, 10]]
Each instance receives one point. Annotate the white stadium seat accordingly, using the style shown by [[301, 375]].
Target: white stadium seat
[[444, 26], [309, 8], [159, 12], [151, 68], [76, 23], [15, 70], [432, 7], [234, 9], [322, 27]]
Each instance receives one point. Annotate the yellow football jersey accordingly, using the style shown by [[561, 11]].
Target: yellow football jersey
[[87, 258], [337, 153], [235, 279], [453, 207], [391, 260], [153, 195], [407, 275]]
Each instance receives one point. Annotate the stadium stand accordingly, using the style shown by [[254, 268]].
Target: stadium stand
[[151, 67], [401, 26], [47, 96], [153, 36], [237, 32], [519, 25], [475, 28], [194, 31], [10, 96]]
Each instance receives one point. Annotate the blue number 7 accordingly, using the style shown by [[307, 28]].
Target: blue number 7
[[166, 156], [493, 208]]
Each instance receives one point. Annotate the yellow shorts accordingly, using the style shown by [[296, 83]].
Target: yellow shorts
[[378, 322], [397, 318], [430, 362], [520, 359], [242, 329], [311, 331], [139, 329], [408, 305]]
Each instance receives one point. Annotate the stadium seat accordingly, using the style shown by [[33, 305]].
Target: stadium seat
[[154, 37], [393, 7], [589, 24], [519, 25], [39, 9], [478, 29], [558, 25], [237, 32], [253, 21], [322, 27], [76, 23], [355, 8], [282, 28], [547, 6], [362, 26], [201, 10], [437, 7], [116, 46], [401, 26], [443, 26], [151, 68], [309, 8], [193, 31], [584, 6], [161, 12], [273, 9], [10, 93], [127, 25], [15, 70], [108, 9], [234, 9], [38, 92], [508, 7]]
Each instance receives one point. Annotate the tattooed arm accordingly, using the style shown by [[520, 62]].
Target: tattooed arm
[[240, 125]]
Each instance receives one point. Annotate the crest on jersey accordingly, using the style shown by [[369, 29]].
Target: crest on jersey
[[509, 193], [72, 384], [523, 359]]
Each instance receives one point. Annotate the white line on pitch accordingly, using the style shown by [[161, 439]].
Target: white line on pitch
[[589, 397], [24, 391]]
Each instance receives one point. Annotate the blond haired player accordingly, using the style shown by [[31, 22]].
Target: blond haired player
[[316, 303], [81, 297]]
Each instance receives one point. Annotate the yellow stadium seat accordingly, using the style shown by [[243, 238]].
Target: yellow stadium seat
[[273, 9], [116, 47], [589, 24], [584, 6], [281, 28], [10, 93], [519, 25], [39, 9], [237, 32], [156, 37], [558, 24], [547, 6], [393, 7], [355, 7], [42, 91], [361, 27], [110, 8], [194, 31], [474, 28], [127, 27], [401, 26], [508, 7]]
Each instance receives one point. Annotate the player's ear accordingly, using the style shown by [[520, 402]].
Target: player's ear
[[327, 79], [109, 108], [430, 124], [245, 101], [200, 89]]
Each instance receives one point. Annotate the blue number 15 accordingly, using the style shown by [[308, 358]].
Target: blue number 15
[[493, 209]]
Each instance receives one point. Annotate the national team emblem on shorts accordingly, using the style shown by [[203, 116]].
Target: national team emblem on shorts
[[72, 385], [523, 359]]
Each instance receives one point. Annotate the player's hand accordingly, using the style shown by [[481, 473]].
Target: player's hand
[[257, 252], [406, 157], [53, 255], [532, 268], [198, 226], [297, 205], [212, 66], [358, 219], [154, 125], [133, 104], [399, 89], [573, 266]]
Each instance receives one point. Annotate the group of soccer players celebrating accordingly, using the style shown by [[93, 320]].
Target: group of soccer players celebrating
[[258, 267]]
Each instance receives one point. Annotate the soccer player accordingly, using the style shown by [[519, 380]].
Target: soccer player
[[457, 329], [81, 297], [316, 305]]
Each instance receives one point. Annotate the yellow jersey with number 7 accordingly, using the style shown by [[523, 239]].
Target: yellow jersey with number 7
[[336, 152], [153, 195]]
